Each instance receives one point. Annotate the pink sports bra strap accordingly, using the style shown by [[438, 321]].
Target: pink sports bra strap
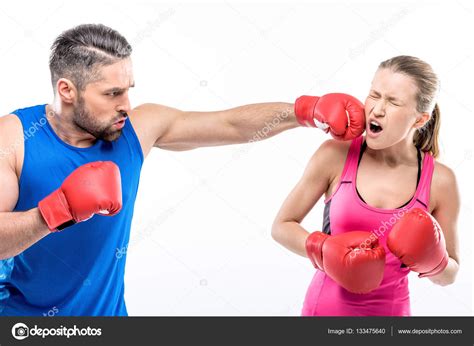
[[424, 186], [352, 160]]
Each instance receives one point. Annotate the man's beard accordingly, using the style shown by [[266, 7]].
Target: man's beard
[[85, 121]]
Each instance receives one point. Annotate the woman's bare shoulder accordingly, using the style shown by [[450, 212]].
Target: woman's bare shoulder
[[329, 158], [443, 183]]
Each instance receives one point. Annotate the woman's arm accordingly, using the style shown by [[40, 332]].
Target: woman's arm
[[446, 210], [320, 172]]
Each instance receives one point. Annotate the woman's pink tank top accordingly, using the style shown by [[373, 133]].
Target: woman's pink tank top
[[345, 212]]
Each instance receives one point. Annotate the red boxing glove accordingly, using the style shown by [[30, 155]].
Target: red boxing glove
[[418, 241], [355, 260], [340, 114], [93, 188]]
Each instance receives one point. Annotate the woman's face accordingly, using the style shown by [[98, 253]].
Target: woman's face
[[390, 109]]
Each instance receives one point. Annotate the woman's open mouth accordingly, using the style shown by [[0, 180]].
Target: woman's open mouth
[[374, 129]]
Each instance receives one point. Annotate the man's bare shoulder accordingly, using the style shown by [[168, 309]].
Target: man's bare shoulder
[[11, 137]]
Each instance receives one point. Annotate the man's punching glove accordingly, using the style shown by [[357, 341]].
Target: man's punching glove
[[93, 188], [341, 115]]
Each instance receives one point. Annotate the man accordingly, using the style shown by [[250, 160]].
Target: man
[[61, 163]]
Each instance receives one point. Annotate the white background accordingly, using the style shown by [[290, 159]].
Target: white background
[[200, 241]]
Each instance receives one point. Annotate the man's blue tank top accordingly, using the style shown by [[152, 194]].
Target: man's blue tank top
[[76, 271]]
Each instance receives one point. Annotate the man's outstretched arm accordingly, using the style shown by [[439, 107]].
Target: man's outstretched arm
[[173, 129]]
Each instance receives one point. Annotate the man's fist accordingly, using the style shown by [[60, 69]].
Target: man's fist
[[340, 114], [93, 188]]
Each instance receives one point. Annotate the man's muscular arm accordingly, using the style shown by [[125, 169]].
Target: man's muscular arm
[[18, 230], [172, 129], [341, 115]]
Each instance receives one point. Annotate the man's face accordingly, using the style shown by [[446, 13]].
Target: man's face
[[101, 109]]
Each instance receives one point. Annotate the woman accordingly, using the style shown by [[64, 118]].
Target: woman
[[386, 184]]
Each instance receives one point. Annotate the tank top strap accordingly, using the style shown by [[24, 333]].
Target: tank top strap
[[350, 167], [424, 186]]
